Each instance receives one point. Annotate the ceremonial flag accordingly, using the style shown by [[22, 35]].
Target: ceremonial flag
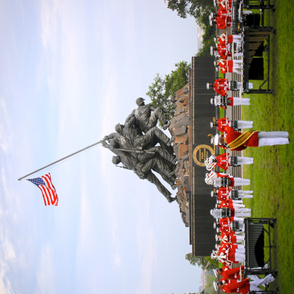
[[48, 190]]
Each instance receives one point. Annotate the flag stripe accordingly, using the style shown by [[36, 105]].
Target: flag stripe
[[47, 188]]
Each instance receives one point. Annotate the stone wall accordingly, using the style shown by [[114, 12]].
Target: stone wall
[[179, 129]]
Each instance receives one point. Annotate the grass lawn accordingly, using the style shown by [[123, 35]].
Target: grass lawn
[[273, 170]]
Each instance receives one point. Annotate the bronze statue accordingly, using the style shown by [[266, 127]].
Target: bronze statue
[[142, 162], [147, 116], [136, 147]]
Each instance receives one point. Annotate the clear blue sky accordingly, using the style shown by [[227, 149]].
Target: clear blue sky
[[70, 70]]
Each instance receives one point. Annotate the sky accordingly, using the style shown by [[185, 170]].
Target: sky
[[70, 71]]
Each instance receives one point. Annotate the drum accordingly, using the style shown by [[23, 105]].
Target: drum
[[235, 195], [225, 182], [234, 161], [236, 226], [234, 124], [226, 212], [233, 86], [224, 100]]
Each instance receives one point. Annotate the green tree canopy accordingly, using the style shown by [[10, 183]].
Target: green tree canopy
[[162, 90], [193, 8], [200, 10], [205, 262]]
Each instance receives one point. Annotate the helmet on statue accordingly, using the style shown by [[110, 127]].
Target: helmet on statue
[[140, 101], [118, 128], [116, 160]]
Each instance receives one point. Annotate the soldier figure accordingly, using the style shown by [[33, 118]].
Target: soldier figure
[[147, 116]]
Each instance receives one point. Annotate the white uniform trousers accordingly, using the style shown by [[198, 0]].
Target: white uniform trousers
[[244, 124], [241, 182], [273, 138], [241, 101], [244, 160]]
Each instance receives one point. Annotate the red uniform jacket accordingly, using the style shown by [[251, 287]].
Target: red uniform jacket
[[237, 287], [224, 39], [229, 237], [222, 123], [221, 86], [226, 65], [223, 161], [223, 193], [225, 225], [223, 19], [231, 135], [223, 51], [226, 203], [231, 273]]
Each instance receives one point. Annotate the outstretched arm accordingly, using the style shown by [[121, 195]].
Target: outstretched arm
[[132, 114]]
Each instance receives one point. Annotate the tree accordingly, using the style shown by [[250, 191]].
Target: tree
[[162, 90], [200, 10], [205, 262], [209, 283], [193, 8], [207, 41]]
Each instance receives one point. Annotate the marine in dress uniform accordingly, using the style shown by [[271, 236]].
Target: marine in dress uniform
[[229, 39], [231, 181], [223, 192], [224, 101], [245, 286], [225, 160], [222, 123], [231, 65], [238, 141], [220, 86]]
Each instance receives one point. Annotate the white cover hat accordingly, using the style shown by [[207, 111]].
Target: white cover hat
[[215, 286], [216, 139], [215, 272], [207, 86], [211, 50]]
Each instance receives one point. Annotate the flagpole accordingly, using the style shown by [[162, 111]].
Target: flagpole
[[60, 160]]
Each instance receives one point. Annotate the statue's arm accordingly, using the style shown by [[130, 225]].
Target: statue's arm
[[151, 107], [132, 114], [111, 136]]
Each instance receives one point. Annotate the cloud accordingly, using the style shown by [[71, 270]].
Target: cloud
[[147, 251], [5, 285], [7, 255], [111, 206], [50, 13], [86, 223], [45, 273], [6, 133], [8, 250]]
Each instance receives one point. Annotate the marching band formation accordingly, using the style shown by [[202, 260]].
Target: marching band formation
[[229, 211]]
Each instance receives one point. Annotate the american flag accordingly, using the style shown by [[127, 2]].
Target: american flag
[[49, 194]]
